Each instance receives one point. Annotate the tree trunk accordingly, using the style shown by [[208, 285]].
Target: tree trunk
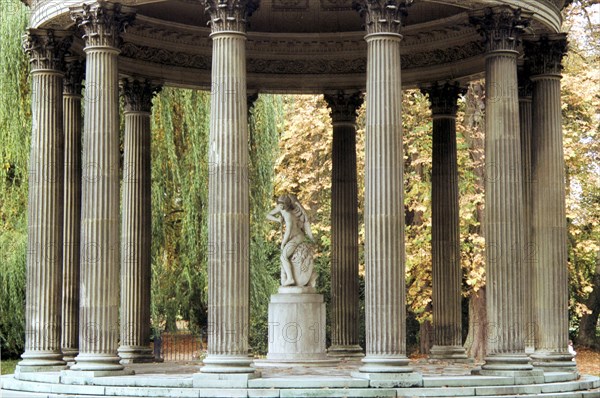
[[425, 337], [588, 327], [477, 337]]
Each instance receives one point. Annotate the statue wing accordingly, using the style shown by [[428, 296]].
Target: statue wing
[[303, 217]]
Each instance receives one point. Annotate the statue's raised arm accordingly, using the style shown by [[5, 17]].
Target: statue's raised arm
[[297, 265]]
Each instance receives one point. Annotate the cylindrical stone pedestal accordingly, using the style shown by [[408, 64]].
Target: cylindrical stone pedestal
[[45, 206], [297, 328], [72, 209], [549, 218], [136, 227], [445, 233], [344, 228]]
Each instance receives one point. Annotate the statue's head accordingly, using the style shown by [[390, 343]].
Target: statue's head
[[286, 202]]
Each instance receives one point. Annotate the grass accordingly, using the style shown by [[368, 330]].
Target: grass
[[7, 366]]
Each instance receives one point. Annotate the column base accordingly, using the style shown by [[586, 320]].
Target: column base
[[385, 364], [517, 366], [390, 379], [37, 361], [554, 361], [97, 362], [227, 364], [135, 354], [454, 353], [69, 355], [345, 351]]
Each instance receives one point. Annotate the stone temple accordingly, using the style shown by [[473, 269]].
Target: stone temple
[[88, 238]]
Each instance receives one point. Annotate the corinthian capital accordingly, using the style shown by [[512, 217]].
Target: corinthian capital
[[138, 95], [544, 55], [74, 71], [443, 99], [344, 105], [102, 23], [230, 15], [382, 16], [501, 27], [46, 48]]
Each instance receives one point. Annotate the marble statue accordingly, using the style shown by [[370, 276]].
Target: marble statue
[[297, 265]]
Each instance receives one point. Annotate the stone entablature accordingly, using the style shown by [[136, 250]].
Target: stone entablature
[[180, 54]]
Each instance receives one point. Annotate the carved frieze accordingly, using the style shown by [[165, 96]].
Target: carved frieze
[[138, 94], [344, 105], [311, 65], [501, 27], [102, 23], [544, 56], [74, 73], [382, 16], [229, 15], [46, 48]]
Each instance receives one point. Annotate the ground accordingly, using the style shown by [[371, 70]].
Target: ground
[[588, 362]]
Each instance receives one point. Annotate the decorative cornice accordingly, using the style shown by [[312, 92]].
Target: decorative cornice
[[544, 55], [74, 73], [382, 16], [229, 15], [102, 23], [443, 99], [344, 105], [501, 27], [138, 94], [47, 48], [165, 57], [445, 56]]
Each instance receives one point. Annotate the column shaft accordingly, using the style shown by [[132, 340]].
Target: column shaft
[[529, 248], [445, 228], [228, 209], [136, 232], [45, 205], [72, 210], [102, 24], [385, 296], [549, 215]]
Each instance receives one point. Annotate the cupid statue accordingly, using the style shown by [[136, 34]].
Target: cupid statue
[[297, 266]]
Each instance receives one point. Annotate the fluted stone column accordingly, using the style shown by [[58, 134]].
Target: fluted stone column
[[136, 227], [549, 219], [385, 295], [445, 226], [102, 24], [344, 227], [501, 28], [228, 207], [46, 50], [525, 123], [72, 208]]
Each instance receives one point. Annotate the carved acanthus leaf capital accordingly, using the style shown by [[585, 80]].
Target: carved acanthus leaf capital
[[501, 27], [230, 15], [443, 99], [344, 105], [544, 56], [138, 94], [47, 48], [102, 23], [74, 73], [524, 82], [382, 16]]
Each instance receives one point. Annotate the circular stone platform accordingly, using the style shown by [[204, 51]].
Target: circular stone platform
[[177, 380]]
